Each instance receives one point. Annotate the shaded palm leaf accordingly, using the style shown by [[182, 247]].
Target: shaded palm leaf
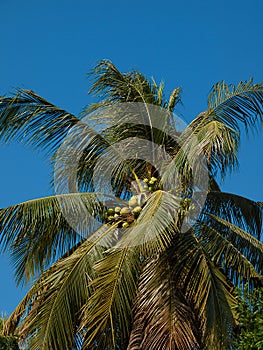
[[223, 253], [238, 210], [162, 317], [207, 289], [247, 244]]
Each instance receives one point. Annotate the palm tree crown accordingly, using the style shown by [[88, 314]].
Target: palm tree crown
[[134, 256]]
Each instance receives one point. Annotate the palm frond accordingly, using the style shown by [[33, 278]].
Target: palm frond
[[112, 85], [163, 318], [38, 232], [107, 315], [224, 254], [57, 298], [207, 289], [217, 141], [217, 129], [246, 243], [231, 104], [174, 99], [237, 210], [30, 118], [155, 227]]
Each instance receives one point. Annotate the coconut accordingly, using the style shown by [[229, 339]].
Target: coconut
[[110, 211], [133, 202], [116, 215], [151, 182], [125, 211], [125, 225], [153, 179], [145, 180], [137, 210], [117, 209], [110, 218]]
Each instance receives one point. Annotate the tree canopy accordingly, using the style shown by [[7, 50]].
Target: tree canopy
[[138, 248]]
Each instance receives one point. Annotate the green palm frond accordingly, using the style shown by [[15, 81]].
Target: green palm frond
[[107, 315], [60, 293], [174, 99], [217, 129], [133, 133], [155, 227], [83, 156], [37, 232], [163, 319], [160, 91], [230, 104], [112, 85], [246, 243], [207, 289], [223, 253], [30, 118], [238, 210], [214, 140]]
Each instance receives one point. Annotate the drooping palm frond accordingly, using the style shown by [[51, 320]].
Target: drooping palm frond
[[107, 314], [226, 255], [163, 319], [52, 307], [217, 128], [38, 232], [231, 104], [246, 243], [207, 289], [30, 118], [237, 210]]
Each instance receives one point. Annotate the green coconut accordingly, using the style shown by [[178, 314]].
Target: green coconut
[[133, 202], [153, 179], [125, 211], [117, 209], [116, 215], [137, 210], [125, 225], [110, 211], [110, 218], [145, 180]]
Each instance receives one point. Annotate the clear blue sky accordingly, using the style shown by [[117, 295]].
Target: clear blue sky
[[49, 47]]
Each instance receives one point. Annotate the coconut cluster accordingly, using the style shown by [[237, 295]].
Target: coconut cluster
[[151, 184], [125, 216]]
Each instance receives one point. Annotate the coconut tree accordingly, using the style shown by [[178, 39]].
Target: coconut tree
[[142, 268]]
